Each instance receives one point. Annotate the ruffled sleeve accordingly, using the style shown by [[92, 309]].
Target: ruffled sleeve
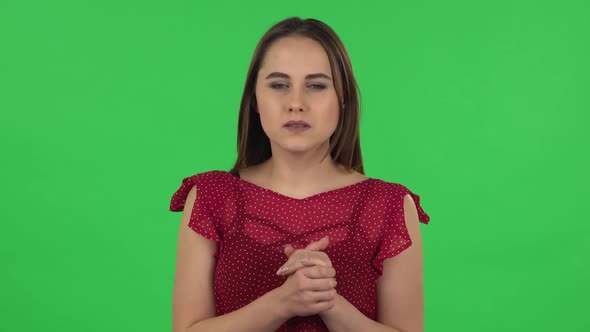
[[394, 237], [202, 220]]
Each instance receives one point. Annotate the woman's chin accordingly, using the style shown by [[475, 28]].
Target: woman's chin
[[302, 148]]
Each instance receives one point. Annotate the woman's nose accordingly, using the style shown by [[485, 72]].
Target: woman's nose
[[296, 102], [296, 108]]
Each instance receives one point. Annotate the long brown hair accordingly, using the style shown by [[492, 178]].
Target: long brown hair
[[345, 149]]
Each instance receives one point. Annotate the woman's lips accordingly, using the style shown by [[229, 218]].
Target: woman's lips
[[296, 122], [296, 129]]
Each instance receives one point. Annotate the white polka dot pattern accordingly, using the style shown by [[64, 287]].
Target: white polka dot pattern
[[251, 224]]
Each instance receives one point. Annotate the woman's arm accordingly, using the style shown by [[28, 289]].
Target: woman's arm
[[400, 290], [259, 315], [346, 317], [193, 304]]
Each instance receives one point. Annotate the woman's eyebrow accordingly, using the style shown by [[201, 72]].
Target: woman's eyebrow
[[307, 77]]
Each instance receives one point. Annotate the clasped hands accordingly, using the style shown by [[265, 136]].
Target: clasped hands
[[309, 289]]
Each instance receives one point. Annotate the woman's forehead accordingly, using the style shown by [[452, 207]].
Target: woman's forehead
[[296, 56]]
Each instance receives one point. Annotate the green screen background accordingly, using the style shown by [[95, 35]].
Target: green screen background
[[479, 107]]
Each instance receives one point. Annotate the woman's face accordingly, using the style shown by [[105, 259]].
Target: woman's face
[[295, 83]]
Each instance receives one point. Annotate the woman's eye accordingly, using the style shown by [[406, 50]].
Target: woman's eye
[[278, 85], [317, 86]]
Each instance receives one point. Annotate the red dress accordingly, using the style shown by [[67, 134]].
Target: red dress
[[252, 224]]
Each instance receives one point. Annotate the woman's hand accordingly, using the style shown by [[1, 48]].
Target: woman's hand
[[310, 256], [309, 289]]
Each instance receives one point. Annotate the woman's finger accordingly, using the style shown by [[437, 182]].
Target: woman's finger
[[293, 265], [289, 250], [319, 245], [314, 246], [319, 272], [323, 284]]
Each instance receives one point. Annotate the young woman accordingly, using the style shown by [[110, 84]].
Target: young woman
[[261, 246]]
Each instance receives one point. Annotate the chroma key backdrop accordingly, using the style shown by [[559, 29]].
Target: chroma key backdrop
[[480, 107]]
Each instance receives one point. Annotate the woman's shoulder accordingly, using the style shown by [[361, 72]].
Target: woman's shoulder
[[211, 180], [208, 183], [208, 175], [396, 192], [208, 178], [386, 187]]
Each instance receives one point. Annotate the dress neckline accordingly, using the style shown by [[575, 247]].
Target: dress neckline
[[276, 193]]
